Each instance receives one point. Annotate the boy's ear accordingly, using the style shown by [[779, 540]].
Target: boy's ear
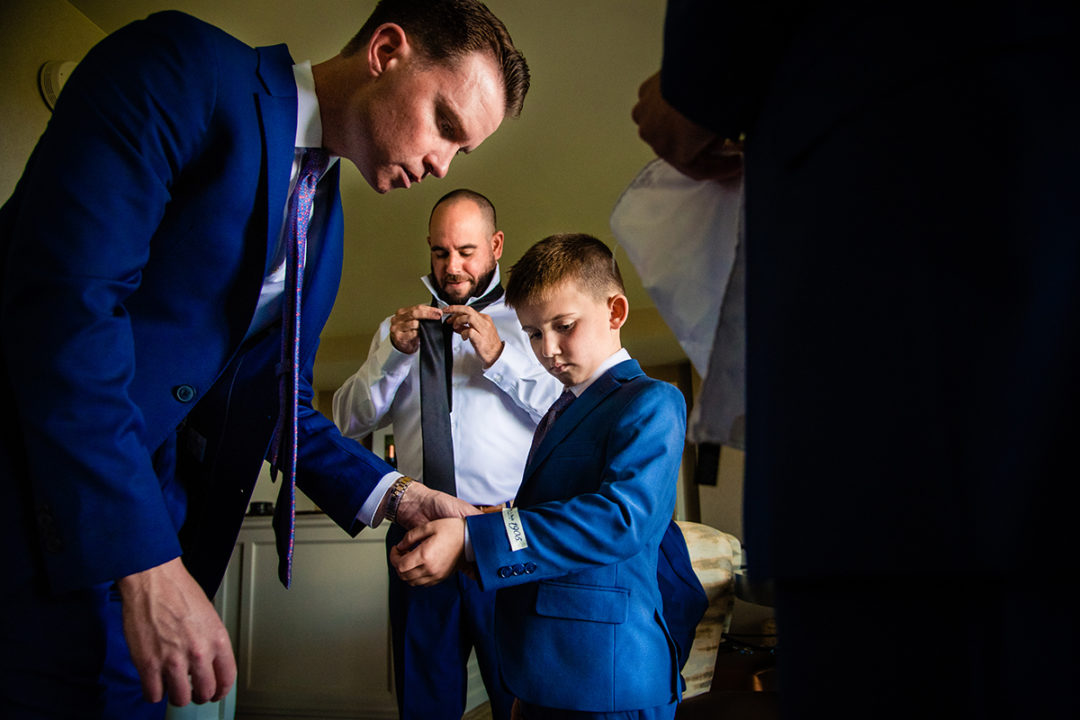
[[619, 308]]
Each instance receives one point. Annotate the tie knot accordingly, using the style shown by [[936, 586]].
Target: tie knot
[[559, 405], [314, 162]]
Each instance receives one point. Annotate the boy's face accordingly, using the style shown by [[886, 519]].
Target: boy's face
[[572, 332]]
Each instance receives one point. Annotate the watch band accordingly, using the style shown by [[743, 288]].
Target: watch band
[[394, 497]]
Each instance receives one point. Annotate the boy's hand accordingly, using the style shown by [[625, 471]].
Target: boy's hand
[[431, 553]]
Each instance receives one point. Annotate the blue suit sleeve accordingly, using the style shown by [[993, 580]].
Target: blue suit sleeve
[[718, 57], [336, 472], [625, 515]]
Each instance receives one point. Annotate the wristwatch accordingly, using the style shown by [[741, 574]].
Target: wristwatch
[[394, 497]]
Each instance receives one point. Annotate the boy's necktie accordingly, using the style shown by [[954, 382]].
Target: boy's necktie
[[283, 454], [548, 420]]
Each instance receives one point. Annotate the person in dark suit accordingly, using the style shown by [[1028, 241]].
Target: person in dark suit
[[913, 328], [579, 618], [143, 269]]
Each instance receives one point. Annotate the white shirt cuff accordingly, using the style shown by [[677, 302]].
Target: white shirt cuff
[[374, 500]]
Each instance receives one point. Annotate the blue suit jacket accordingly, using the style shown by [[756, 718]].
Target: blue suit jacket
[[133, 253], [579, 621]]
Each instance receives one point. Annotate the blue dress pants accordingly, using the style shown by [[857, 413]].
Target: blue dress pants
[[66, 657], [434, 628]]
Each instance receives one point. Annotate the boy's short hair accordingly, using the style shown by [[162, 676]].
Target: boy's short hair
[[558, 258], [444, 31]]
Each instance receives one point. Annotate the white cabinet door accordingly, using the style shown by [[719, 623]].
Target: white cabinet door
[[322, 648]]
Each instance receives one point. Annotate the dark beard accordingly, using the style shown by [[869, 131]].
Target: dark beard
[[481, 285]]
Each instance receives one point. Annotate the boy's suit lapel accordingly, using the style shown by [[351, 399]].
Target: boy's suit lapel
[[578, 410]]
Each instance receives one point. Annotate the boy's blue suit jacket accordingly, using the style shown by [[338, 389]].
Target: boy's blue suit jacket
[[133, 253], [579, 618]]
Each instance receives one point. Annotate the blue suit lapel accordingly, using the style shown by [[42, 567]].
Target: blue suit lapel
[[277, 110], [578, 410], [278, 113]]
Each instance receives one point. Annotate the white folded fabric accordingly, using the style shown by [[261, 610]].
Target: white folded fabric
[[684, 238]]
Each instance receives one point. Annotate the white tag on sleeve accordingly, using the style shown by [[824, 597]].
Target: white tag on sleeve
[[514, 530]]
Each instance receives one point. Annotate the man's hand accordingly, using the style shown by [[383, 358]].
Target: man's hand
[[691, 149], [477, 328], [405, 326], [421, 504], [430, 553], [177, 640]]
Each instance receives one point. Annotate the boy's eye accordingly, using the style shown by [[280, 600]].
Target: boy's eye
[[566, 327]]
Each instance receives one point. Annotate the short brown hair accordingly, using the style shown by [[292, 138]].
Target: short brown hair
[[558, 258], [444, 31]]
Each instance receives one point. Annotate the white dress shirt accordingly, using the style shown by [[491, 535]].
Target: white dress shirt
[[494, 413], [308, 135]]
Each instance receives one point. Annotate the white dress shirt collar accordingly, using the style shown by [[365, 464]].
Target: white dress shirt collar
[[426, 279], [617, 357], [308, 120]]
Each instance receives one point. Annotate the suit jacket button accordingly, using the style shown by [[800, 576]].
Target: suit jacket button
[[519, 569], [47, 527], [184, 393], [530, 567], [505, 572]]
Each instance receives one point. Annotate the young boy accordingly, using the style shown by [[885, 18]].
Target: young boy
[[579, 624]]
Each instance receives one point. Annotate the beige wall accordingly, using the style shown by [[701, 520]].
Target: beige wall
[[32, 32]]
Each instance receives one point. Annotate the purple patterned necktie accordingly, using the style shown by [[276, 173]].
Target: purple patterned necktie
[[548, 420], [283, 454]]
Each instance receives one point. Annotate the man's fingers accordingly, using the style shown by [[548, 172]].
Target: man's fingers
[[648, 84], [203, 682], [421, 312], [177, 683], [152, 687], [225, 672]]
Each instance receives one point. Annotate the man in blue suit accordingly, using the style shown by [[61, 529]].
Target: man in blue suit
[[579, 618], [141, 297]]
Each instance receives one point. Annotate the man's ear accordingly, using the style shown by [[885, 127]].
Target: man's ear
[[387, 44], [620, 310], [497, 244]]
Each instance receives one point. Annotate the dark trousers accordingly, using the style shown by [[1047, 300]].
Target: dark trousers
[[434, 628], [536, 712], [66, 657], [926, 647]]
